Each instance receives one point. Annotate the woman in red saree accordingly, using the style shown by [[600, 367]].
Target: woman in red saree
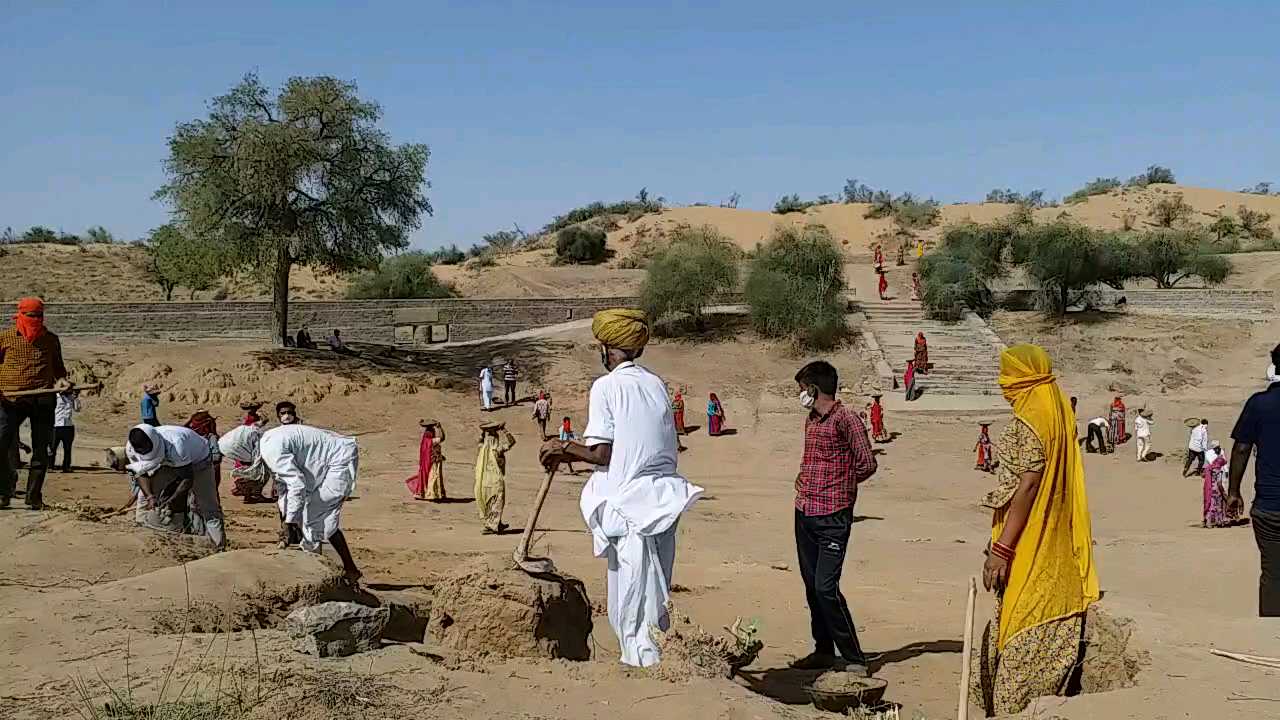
[[715, 416], [677, 410], [909, 381], [922, 354], [428, 483], [878, 431], [986, 459], [883, 287], [1115, 426]]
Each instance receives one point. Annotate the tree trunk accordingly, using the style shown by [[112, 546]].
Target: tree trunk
[[280, 292], [168, 293]]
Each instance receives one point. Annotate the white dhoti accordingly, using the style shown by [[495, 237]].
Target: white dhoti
[[641, 556], [639, 580]]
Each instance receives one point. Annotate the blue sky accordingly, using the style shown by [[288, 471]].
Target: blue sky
[[532, 108]]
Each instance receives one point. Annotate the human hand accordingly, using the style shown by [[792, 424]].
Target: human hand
[[551, 453], [995, 572], [63, 385], [1235, 503]]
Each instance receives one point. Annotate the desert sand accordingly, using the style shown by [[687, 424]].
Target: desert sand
[[89, 595]]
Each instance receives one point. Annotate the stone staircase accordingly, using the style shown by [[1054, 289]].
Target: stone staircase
[[965, 355]]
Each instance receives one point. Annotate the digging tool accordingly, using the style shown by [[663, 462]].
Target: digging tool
[[49, 391], [962, 710], [534, 566]]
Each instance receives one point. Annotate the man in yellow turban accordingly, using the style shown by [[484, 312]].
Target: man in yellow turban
[[635, 497]]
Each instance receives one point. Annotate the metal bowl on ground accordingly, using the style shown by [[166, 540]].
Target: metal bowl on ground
[[870, 691]]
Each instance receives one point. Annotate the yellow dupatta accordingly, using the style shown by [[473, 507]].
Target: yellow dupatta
[[1052, 575]]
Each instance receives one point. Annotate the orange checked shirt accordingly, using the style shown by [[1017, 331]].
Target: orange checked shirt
[[29, 365]]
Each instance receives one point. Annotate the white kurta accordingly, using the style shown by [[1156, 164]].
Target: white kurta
[[486, 387], [632, 506], [317, 469]]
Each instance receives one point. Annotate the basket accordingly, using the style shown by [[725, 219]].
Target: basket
[[871, 694]]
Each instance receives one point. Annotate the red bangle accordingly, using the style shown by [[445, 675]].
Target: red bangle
[[1002, 551]]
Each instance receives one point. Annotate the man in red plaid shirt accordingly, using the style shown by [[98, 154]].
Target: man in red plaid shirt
[[837, 456]]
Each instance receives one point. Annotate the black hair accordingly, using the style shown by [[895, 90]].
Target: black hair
[[566, 417], [821, 374], [286, 405], [1275, 356], [140, 441]]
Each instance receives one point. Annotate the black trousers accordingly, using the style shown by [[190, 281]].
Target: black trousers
[[1266, 531], [1096, 434], [64, 436], [821, 542], [511, 391], [12, 414], [1198, 457]]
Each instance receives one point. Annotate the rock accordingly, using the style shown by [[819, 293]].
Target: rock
[[410, 612], [337, 629], [488, 606]]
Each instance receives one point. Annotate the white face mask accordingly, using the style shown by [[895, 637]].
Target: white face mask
[[806, 400]]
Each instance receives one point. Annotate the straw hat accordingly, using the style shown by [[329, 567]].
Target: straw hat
[[492, 425]]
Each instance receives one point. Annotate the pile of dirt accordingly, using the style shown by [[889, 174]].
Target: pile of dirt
[[490, 607], [689, 651], [1112, 659], [234, 590]]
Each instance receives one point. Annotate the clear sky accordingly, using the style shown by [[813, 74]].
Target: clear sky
[[532, 108]]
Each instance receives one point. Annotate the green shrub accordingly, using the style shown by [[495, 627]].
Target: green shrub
[[641, 205], [402, 277], [446, 256], [796, 287], [1033, 199], [1254, 223], [911, 213], [1154, 174], [1097, 186], [1168, 257], [956, 275], [1171, 211], [1067, 261], [856, 192], [689, 274], [581, 244], [790, 204]]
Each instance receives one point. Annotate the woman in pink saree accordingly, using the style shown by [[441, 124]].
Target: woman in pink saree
[[428, 483]]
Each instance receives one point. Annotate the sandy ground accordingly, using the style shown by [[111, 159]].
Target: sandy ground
[[918, 538]]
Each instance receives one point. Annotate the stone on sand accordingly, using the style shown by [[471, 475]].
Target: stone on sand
[[490, 607], [336, 629]]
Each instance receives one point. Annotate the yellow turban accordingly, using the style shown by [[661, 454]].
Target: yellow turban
[[621, 328]]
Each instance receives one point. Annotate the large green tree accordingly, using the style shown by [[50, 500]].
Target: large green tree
[[687, 275], [176, 259], [1168, 257], [303, 176]]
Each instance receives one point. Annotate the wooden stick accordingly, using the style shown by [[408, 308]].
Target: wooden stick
[[522, 550], [49, 391], [1269, 662], [962, 709]]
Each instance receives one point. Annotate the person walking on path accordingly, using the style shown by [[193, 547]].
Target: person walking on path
[[1039, 561], [486, 388], [837, 457], [1142, 433], [150, 404], [542, 413], [715, 416], [1197, 445], [30, 359], [491, 475], [64, 427], [1258, 430], [633, 501], [510, 373], [876, 415], [428, 482]]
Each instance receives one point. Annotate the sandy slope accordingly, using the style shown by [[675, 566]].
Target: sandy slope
[[918, 538], [111, 274]]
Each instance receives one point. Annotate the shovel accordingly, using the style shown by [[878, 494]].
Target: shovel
[[534, 566]]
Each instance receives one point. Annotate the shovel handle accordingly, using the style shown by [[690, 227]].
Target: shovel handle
[[48, 391], [522, 550]]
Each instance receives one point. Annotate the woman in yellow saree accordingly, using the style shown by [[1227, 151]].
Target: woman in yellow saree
[[1040, 561]]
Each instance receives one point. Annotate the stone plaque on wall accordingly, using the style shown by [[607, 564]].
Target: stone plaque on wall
[[404, 334], [439, 333], [417, 316]]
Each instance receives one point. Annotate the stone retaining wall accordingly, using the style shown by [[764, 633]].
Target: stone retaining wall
[[1198, 302], [401, 322]]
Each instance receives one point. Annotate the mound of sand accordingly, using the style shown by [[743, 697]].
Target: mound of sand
[[234, 590], [490, 607], [1112, 660]]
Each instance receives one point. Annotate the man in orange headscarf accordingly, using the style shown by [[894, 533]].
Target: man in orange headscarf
[[30, 359]]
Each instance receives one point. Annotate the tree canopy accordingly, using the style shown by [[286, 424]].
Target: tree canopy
[[685, 277], [175, 259], [302, 176], [796, 285], [400, 277]]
